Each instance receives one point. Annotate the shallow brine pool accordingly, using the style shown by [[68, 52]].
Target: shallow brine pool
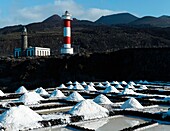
[[112, 124]]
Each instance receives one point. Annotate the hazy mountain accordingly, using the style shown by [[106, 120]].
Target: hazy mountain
[[163, 21], [122, 18]]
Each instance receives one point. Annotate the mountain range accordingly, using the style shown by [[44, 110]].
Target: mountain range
[[129, 19], [108, 33]]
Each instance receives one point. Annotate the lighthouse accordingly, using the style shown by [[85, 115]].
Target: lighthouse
[[24, 41], [66, 48]]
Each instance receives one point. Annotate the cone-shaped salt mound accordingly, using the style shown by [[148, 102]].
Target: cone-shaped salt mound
[[89, 109], [70, 87], [128, 91], [78, 87], [100, 85], [57, 93], [41, 91], [143, 87], [131, 83], [91, 84], [62, 86], [106, 82], [1, 93], [75, 96], [130, 86], [110, 89], [114, 82], [107, 85], [123, 83], [102, 99], [30, 98], [21, 89], [69, 83], [131, 103], [76, 83], [20, 118], [83, 83], [119, 86], [90, 88]]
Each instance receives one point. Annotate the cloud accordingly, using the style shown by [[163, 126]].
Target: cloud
[[39, 13]]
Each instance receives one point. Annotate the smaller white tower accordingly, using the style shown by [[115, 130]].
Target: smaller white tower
[[66, 49]]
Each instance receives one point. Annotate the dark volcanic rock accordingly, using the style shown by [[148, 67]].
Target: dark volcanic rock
[[129, 64]]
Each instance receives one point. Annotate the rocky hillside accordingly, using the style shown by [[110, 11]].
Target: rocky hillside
[[128, 64]]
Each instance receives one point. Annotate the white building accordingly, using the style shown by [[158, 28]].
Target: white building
[[29, 51], [33, 51]]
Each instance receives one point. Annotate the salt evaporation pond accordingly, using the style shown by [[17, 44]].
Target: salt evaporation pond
[[57, 129], [104, 124], [159, 128], [112, 124]]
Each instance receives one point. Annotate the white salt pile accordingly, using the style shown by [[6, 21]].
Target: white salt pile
[[78, 87], [110, 89], [140, 81], [75, 96], [123, 83], [21, 89], [83, 83], [114, 82], [57, 93], [131, 103], [69, 83], [131, 83], [70, 87], [62, 86], [119, 86], [102, 99], [41, 91], [130, 86], [143, 87], [76, 83], [107, 85], [128, 91], [89, 109], [30, 98], [100, 85], [90, 88], [20, 118], [106, 82], [1, 93], [91, 84], [145, 82]]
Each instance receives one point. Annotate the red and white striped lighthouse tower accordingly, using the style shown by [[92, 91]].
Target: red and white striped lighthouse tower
[[66, 49]]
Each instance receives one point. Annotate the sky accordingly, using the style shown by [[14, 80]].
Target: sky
[[15, 12]]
